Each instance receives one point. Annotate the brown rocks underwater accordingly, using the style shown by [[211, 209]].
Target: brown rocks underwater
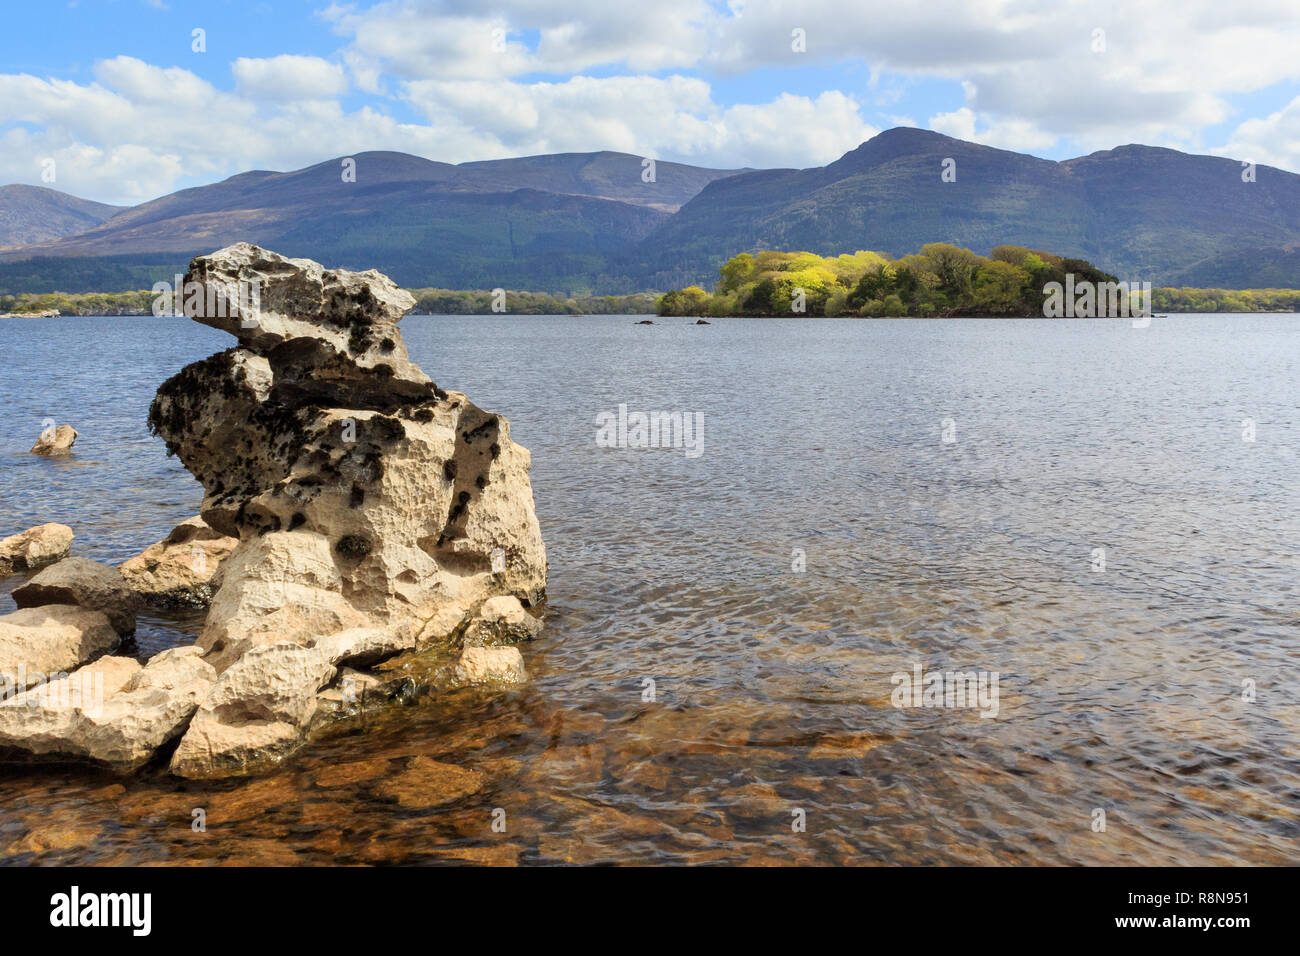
[[358, 522]]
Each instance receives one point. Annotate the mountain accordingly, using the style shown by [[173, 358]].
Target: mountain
[[587, 222], [548, 222], [1249, 267], [1136, 211], [34, 214]]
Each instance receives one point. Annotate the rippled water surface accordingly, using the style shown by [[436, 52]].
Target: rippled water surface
[[1125, 690]]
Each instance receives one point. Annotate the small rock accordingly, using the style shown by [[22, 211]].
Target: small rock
[[55, 442], [178, 570], [490, 665], [645, 322], [702, 322], [501, 620], [85, 583], [34, 548]]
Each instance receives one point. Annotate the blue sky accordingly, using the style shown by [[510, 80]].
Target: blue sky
[[113, 98]]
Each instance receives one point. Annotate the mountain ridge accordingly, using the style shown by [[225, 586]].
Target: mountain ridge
[[590, 222]]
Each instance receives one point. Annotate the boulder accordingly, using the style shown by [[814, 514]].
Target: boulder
[[112, 712], [376, 513], [34, 548], [85, 583], [37, 642], [55, 442], [178, 570]]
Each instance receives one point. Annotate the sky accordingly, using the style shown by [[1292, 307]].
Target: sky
[[125, 100]]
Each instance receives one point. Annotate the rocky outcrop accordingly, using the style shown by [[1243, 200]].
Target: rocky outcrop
[[55, 442], [112, 712], [376, 513], [178, 570], [34, 548], [37, 642], [85, 583]]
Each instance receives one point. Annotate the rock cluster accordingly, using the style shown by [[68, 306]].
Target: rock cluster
[[376, 513], [353, 511]]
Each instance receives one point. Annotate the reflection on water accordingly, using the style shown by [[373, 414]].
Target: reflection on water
[[1121, 690]]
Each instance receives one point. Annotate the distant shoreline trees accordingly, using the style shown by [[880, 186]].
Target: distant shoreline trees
[[941, 280]]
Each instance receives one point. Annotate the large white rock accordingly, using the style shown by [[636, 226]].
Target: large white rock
[[376, 513]]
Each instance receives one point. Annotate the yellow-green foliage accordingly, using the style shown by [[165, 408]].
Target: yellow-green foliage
[[941, 279], [80, 303], [1225, 300], [938, 280]]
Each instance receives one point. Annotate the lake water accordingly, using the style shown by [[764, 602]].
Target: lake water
[[945, 487]]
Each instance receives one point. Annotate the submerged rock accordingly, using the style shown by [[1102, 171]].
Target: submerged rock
[[490, 665], [178, 570], [55, 442], [376, 513], [428, 783], [34, 548], [85, 583]]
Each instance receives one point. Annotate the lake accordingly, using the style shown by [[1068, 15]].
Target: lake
[[1104, 519]]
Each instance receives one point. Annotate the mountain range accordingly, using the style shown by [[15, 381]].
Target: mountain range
[[609, 222]]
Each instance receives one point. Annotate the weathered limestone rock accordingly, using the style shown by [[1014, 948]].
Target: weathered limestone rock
[[490, 665], [112, 712], [85, 583], [179, 569], [37, 642], [34, 548], [376, 513], [55, 442]]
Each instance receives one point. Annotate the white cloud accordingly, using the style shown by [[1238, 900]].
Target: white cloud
[[455, 39], [289, 78], [590, 74], [670, 117], [1272, 140]]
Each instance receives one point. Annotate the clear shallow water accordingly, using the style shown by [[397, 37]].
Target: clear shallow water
[[1120, 690]]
